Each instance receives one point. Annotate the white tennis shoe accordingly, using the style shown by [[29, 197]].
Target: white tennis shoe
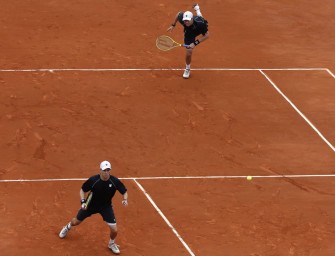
[[196, 7], [115, 249], [64, 231], [187, 73]]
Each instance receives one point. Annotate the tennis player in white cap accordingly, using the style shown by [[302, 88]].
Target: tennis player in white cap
[[103, 187], [193, 27]]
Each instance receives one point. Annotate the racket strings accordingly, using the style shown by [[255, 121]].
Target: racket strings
[[165, 43]]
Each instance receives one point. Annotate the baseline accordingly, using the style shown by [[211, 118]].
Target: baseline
[[160, 69]]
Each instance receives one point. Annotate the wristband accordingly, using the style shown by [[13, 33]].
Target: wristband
[[196, 42]]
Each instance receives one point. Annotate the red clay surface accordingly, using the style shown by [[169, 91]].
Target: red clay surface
[[154, 123]]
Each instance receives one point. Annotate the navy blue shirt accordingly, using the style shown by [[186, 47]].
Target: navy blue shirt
[[103, 191]]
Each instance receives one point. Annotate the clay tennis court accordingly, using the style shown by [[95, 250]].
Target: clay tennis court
[[82, 82]]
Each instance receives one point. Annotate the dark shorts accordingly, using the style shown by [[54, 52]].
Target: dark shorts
[[106, 212], [188, 39], [190, 36]]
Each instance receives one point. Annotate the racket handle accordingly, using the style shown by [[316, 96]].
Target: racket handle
[[185, 45]]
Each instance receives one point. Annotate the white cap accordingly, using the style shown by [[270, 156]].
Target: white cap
[[105, 165], [187, 15]]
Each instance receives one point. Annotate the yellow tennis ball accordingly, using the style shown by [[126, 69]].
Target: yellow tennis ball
[[249, 178]]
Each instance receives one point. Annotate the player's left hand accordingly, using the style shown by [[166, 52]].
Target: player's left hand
[[125, 202]]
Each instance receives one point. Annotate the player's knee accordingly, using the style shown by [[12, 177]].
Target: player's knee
[[113, 227], [189, 52]]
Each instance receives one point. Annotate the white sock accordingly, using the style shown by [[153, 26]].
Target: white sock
[[188, 66], [69, 226], [111, 241]]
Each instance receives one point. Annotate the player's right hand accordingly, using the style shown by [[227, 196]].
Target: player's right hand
[[170, 29], [83, 206]]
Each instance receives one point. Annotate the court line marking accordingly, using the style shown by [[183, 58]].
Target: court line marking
[[164, 218], [191, 177], [159, 69], [331, 73], [182, 177], [297, 110]]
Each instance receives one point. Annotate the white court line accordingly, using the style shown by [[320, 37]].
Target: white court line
[[184, 177], [299, 112], [155, 69], [332, 74], [178, 177], [164, 218]]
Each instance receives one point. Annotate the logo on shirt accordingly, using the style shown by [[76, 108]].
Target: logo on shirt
[[110, 185]]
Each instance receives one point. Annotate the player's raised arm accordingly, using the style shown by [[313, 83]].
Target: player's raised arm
[[174, 23]]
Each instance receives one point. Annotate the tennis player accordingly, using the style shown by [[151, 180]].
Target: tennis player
[[103, 187], [193, 27]]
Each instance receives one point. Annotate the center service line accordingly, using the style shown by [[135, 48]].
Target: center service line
[[299, 112], [165, 219]]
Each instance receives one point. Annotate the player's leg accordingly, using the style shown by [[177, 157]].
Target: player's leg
[[113, 231], [108, 216], [196, 7], [112, 236], [82, 214], [188, 60], [188, 39]]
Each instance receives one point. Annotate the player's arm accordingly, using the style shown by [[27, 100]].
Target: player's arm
[[82, 195], [203, 38], [125, 199], [83, 198], [125, 196], [199, 40], [174, 23]]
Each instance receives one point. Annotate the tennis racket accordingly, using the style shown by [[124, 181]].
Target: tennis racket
[[166, 43]]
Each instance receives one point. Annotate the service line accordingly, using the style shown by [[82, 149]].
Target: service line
[[182, 177]]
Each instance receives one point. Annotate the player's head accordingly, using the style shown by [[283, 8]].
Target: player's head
[[105, 166], [188, 18]]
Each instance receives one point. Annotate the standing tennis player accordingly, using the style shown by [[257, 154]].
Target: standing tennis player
[[193, 27], [103, 187]]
